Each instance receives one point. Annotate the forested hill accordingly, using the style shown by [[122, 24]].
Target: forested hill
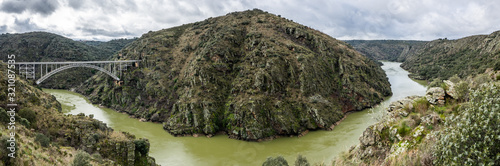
[[46, 47], [250, 74], [112, 45], [391, 50], [444, 58]]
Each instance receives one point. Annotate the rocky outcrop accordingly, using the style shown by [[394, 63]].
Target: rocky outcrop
[[252, 75], [435, 95], [451, 89], [397, 132]]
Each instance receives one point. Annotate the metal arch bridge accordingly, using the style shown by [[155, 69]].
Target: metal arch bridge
[[111, 68]]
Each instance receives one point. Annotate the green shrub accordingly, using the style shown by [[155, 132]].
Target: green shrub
[[42, 139], [4, 117], [436, 83], [142, 146], [473, 136], [301, 161], [403, 129], [82, 158], [462, 90], [455, 79], [421, 105], [28, 114], [278, 161]]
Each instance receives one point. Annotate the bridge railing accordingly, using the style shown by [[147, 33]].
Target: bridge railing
[[111, 68]]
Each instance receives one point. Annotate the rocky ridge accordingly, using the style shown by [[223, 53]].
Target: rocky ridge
[[444, 58], [250, 74]]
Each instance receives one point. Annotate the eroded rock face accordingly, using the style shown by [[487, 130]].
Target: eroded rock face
[[251, 74], [451, 89], [435, 95]]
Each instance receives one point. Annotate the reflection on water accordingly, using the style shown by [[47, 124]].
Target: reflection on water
[[317, 146]]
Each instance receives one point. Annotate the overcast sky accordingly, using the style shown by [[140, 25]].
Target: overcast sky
[[341, 19]]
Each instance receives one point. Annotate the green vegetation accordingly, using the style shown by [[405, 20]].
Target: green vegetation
[[278, 161], [463, 131], [473, 136], [250, 74], [42, 139], [390, 50], [445, 58], [82, 158], [44, 47], [48, 137]]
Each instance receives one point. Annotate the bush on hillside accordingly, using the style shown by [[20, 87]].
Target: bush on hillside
[[473, 136]]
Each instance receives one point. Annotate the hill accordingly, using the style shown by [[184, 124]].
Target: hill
[[444, 58], [391, 50], [112, 45], [45, 136], [43, 47], [250, 74]]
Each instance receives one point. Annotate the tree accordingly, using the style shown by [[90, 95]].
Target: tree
[[278, 161]]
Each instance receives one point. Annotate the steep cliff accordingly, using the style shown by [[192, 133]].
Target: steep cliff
[[250, 74], [444, 58]]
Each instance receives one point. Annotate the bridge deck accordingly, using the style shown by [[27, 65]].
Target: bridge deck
[[86, 62]]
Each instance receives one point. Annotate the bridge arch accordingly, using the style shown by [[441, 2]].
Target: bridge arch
[[69, 66]]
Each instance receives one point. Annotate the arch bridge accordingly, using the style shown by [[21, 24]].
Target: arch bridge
[[111, 68]]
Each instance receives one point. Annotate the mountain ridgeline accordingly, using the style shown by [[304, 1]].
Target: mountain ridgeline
[[48, 47], [444, 58], [391, 50], [250, 74]]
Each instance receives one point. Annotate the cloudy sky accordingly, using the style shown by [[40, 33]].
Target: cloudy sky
[[342, 19]]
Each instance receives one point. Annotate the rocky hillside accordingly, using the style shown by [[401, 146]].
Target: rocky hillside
[[42, 46], [444, 58], [456, 123], [390, 50], [250, 74], [45, 136]]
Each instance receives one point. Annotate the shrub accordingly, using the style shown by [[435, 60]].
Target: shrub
[[301, 161], [462, 90], [142, 146], [455, 79], [421, 105], [4, 117], [42, 139], [278, 161], [436, 83], [472, 137], [82, 158], [28, 114]]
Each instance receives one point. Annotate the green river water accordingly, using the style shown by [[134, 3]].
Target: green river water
[[316, 146]]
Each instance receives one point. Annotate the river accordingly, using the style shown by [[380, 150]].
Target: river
[[316, 146]]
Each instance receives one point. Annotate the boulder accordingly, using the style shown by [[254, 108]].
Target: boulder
[[435, 95], [369, 137], [451, 89]]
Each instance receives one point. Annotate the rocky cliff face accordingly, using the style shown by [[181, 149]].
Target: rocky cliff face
[[250, 74], [444, 58]]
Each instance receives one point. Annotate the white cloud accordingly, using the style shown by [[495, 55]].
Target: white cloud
[[353, 19]]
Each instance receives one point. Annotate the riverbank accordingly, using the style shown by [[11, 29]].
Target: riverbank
[[316, 146], [455, 123]]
